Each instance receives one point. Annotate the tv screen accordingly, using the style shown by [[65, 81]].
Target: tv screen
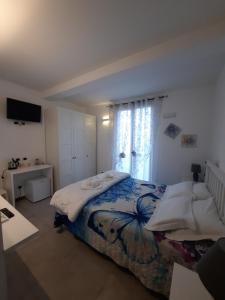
[[23, 111]]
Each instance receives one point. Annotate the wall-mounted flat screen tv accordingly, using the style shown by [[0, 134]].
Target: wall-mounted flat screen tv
[[23, 111]]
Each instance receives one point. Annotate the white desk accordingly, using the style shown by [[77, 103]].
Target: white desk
[[16, 229], [17, 177], [186, 285]]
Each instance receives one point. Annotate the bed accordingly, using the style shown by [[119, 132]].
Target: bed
[[112, 222]]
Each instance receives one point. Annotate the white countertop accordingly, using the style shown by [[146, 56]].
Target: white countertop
[[16, 229], [29, 169]]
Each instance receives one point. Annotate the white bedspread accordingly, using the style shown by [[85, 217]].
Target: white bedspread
[[71, 199]]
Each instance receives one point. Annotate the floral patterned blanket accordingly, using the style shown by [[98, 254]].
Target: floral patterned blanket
[[113, 223]]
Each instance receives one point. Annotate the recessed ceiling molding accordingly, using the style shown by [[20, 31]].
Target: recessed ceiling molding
[[162, 50]]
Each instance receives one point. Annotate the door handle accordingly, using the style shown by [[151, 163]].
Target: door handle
[[133, 153], [87, 155], [122, 155], [74, 157]]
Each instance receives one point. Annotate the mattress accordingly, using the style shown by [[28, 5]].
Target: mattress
[[113, 224]]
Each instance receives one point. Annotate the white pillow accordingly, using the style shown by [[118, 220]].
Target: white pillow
[[208, 224], [207, 218], [200, 191], [179, 189], [173, 213]]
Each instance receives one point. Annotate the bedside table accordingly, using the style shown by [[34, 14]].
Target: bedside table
[[187, 285]]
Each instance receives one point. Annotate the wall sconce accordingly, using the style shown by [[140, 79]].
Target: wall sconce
[[105, 120]]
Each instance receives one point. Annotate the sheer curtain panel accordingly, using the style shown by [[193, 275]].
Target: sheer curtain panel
[[135, 127]]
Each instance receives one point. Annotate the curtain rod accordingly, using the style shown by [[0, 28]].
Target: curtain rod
[[148, 99]]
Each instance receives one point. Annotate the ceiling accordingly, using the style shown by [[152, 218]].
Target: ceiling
[[48, 45], [183, 71]]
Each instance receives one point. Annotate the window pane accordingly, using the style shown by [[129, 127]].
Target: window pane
[[124, 141], [141, 143], [134, 141]]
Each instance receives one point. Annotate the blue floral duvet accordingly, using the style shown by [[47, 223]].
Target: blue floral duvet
[[113, 223]]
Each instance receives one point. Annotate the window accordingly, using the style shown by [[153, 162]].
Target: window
[[133, 139]]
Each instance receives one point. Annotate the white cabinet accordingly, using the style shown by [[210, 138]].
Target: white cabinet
[[186, 285], [71, 145]]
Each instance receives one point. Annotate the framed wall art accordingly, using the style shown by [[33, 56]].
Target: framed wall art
[[189, 140], [172, 131]]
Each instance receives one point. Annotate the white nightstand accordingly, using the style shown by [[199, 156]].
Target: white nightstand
[[186, 285]]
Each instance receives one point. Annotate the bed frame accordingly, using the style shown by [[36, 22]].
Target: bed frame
[[215, 180]]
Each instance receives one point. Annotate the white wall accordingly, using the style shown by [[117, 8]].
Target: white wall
[[193, 109], [194, 116], [104, 138], [22, 141], [218, 144]]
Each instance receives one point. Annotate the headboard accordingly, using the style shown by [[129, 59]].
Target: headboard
[[215, 180]]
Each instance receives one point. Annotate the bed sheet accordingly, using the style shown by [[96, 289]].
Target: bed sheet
[[113, 223]]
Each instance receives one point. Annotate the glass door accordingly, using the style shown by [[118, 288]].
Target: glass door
[[132, 142]]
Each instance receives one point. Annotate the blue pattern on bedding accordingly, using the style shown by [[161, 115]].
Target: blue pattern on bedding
[[118, 226], [113, 223]]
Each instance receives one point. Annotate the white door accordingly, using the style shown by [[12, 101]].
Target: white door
[[133, 146], [65, 117], [78, 164], [77, 146]]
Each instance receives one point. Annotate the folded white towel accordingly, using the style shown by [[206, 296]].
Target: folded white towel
[[70, 199], [108, 176], [91, 184]]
